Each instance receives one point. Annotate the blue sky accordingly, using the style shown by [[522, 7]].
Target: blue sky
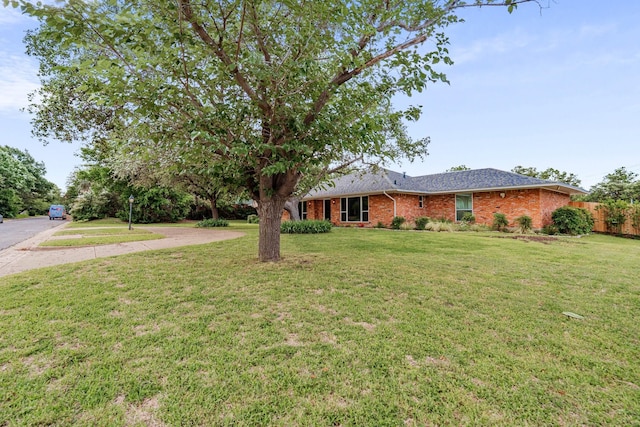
[[553, 88]]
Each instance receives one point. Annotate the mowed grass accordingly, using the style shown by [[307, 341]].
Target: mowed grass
[[107, 222], [355, 327], [100, 236]]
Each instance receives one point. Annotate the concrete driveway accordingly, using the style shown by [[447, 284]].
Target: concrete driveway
[[27, 255]]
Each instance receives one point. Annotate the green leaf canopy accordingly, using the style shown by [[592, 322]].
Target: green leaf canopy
[[268, 88]]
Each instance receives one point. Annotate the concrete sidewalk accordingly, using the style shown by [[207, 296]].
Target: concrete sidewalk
[[29, 255]]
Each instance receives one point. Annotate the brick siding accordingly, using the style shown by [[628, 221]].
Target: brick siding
[[536, 203], [550, 201]]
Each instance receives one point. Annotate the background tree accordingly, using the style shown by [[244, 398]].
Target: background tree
[[148, 165], [621, 184], [99, 192], [14, 178], [23, 185], [458, 168], [550, 174], [271, 88]]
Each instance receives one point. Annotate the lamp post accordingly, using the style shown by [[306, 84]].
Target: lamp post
[[130, 209]]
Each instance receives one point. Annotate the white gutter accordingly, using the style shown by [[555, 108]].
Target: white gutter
[[394, 203]]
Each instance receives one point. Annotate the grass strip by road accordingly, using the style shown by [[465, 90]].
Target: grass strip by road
[[100, 236], [354, 327], [115, 222], [106, 222], [102, 231]]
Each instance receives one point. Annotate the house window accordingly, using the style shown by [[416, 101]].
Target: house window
[[464, 204], [302, 209], [354, 209], [421, 201]]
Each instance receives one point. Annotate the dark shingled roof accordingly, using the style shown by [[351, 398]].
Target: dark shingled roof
[[383, 180]]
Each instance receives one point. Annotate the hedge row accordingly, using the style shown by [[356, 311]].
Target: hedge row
[[305, 227], [213, 223]]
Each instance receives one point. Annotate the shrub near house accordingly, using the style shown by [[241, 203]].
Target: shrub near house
[[574, 221]]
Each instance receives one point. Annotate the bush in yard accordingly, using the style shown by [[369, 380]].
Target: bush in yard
[[468, 217], [439, 226], [525, 222], [305, 227], [253, 219], [550, 229], [397, 221], [478, 227], [213, 223], [421, 222], [574, 221], [500, 221]]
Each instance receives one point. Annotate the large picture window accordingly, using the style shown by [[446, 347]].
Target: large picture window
[[464, 204], [354, 209]]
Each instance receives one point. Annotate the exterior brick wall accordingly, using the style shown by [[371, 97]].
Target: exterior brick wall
[[441, 206], [514, 204], [550, 201], [536, 203], [408, 206], [315, 209], [380, 210]]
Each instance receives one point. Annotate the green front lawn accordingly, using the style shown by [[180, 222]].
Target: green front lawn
[[355, 327]]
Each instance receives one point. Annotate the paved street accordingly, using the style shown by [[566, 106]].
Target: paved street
[[14, 231]]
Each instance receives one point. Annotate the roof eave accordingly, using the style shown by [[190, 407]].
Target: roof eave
[[559, 188]]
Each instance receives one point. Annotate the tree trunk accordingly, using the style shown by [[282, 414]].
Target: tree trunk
[[291, 206], [214, 209], [270, 213]]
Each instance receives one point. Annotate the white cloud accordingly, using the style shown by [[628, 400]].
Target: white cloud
[[590, 31], [483, 48], [18, 78], [9, 15]]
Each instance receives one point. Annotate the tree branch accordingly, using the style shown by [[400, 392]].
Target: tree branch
[[202, 33], [345, 76]]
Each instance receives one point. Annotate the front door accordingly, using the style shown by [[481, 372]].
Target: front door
[[327, 209]]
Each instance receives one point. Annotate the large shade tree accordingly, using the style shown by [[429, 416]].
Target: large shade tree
[[270, 88]]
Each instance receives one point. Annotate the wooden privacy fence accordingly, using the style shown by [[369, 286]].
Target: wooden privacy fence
[[599, 215]]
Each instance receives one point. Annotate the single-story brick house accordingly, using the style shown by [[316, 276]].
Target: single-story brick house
[[376, 196]]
